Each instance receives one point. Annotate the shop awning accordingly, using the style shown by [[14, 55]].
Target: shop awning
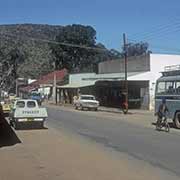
[[75, 86]]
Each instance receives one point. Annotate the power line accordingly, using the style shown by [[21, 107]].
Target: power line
[[159, 34], [86, 47], [159, 31], [173, 21], [162, 33], [58, 43], [154, 31], [157, 46]]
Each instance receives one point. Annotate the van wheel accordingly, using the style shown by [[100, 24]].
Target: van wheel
[[177, 120]]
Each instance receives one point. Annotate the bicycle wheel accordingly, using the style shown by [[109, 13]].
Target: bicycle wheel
[[125, 110], [158, 125]]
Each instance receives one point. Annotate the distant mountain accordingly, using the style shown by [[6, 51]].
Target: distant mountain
[[29, 39]]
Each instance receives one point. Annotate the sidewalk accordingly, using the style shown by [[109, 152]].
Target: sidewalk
[[111, 109], [130, 111]]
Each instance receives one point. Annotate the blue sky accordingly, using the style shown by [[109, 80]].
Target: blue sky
[[154, 21]]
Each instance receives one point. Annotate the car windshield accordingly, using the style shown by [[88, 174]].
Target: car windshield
[[87, 97]]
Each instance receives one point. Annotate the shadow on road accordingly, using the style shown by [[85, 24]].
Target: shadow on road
[[171, 125], [31, 126], [114, 111], [7, 135]]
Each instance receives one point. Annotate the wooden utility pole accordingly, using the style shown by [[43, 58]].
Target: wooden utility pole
[[125, 70], [54, 85]]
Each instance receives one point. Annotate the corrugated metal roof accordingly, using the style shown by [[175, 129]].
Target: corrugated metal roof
[[46, 80], [49, 78]]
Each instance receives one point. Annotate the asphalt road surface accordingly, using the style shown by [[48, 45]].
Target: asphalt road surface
[[159, 149]]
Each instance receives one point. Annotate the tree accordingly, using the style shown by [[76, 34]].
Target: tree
[[72, 57], [136, 49], [79, 59], [10, 65]]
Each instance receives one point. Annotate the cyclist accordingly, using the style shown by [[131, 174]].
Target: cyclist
[[162, 110]]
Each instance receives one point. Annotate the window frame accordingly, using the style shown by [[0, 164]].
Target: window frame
[[31, 106]]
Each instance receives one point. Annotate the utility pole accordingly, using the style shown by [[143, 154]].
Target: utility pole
[[125, 72], [16, 81], [15, 74], [54, 85]]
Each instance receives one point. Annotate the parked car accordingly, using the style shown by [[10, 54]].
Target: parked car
[[6, 109], [86, 101], [27, 111], [12, 96]]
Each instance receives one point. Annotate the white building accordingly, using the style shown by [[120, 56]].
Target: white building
[[158, 62], [143, 71]]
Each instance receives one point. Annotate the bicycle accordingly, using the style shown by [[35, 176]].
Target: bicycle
[[162, 122]]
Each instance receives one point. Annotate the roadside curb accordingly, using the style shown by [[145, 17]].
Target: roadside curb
[[106, 109]]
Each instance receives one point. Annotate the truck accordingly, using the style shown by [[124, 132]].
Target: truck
[[27, 111], [35, 95]]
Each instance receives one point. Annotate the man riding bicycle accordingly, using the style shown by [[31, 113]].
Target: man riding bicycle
[[162, 110], [162, 119]]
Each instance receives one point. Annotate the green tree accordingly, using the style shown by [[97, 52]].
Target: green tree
[[10, 66], [78, 58], [72, 57], [136, 49]]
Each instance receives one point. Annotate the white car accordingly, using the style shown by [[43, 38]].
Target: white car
[[86, 101], [27, 111]]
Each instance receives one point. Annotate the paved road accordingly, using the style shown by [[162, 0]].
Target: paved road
[[157, 148]]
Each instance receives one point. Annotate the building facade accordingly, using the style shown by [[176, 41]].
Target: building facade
[[149, 68], [108, 85]]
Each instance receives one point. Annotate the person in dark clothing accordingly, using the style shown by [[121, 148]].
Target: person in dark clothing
[[162, 110]]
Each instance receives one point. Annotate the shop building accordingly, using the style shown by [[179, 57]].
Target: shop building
[[108, 84]]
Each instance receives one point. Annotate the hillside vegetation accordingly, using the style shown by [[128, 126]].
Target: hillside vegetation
[[31, 42], [26, 39]]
